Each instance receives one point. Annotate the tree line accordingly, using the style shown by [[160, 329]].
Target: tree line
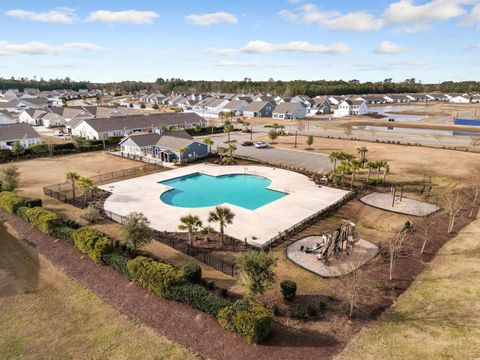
[[275, 87]]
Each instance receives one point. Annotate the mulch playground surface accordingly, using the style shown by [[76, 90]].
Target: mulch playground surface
[[178, 322]]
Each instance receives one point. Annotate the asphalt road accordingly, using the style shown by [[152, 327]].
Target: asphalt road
[[294, 158]]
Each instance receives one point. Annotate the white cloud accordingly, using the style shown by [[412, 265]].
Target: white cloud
[[256, 47], [474, 46], [333, 20], [233, 63], [57, 16], [435, 10], [40, 48], [212, 19], [124, 17], [388, 47], [473, 18], [413, 29]]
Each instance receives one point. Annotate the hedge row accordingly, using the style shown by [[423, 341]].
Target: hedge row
[[153, 275], [10, 202], [93, 243], [248, 319]]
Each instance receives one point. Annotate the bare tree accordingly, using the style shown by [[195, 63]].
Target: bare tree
[[474, 185], [301, 124], [453, 200], [357, 286], [395, 243], [475, 142], [426, 229]]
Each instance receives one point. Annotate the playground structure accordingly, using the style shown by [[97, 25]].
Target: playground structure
[[336, 244]]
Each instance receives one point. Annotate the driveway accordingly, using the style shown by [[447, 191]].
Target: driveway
[[294, 158]]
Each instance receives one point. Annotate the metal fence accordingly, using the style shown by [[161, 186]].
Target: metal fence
[[66, 187], [205, 256]]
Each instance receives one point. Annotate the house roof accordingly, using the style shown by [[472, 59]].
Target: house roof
[[287, 107], [17, 132], [215, 102], [143, 121], [234, 104], [168, 139], [257, 105]]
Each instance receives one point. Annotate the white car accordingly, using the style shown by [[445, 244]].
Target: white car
[[261, 145], [59, 133]]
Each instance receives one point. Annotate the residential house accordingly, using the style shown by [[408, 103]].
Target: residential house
[[6, 118], [351, 107], [123, 125], [461, 99], [32, 116], [236, 106], [215, 106], [289, 110], [22, 133], [321, 105], [259, 109], [169, 146]]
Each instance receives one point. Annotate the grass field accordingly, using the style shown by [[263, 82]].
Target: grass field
[[45, 315], [437, 318]]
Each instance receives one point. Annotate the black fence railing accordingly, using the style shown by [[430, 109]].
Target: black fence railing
[[202, 255]]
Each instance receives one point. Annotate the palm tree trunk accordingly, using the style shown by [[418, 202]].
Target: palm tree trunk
[[190, 237], [384, 175], [392, 261], [73, 189], [353, 179], [369, 174], [222, 234]]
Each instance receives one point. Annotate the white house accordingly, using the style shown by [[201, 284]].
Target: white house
[[290, 110], [22, 133], [31, 116], [351, 107], [5, 118], [236, 106], [97, 129], [460, 99]]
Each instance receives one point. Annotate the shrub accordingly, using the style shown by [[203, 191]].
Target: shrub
[[322, 306], [199, 298], [64, 233], [250, 320], [299, 312], [153, 275], [210, 284], [93, 243], [289, 290], [33, 202], [118, 262], [73, 224], [193, 273], [10, 202], [101, 248], [64, 146], [5, 154], [43, 219], [39, 148], [312, 310], [275, 310], [22, 212], [90, 215]]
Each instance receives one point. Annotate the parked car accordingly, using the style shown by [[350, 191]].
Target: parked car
[[247, 143], [261, 145], [59, 133]]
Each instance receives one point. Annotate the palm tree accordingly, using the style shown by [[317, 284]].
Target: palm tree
[[371, 165], [221, 151], [380, 165], [386, 170], [228, 128], [231, 148], [362, 151], [209, 142], [86, 184], [72, 177], [224, 216], [206, 231], [354, 166], [334, 157], [191, 223]]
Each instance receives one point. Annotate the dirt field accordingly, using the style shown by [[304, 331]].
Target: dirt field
[[45, 315], [437, 318], [407, 163]]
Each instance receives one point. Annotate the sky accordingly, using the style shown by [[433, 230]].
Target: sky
[[103, 41]]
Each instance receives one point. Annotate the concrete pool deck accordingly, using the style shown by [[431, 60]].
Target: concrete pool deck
[[258, 226]]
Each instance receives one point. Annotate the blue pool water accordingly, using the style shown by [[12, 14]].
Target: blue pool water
[[200, 190]]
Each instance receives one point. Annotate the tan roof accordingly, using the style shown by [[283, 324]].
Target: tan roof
[[18, 131]]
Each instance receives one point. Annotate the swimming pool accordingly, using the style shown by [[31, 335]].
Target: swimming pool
[[199, 190]]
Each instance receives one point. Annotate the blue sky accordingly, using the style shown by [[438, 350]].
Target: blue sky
[[431, 40]]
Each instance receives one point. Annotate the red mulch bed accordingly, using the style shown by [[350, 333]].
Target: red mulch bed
[[175, 320]]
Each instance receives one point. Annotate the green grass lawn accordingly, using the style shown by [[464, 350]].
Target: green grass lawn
[[45, 315], [438, 317]]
